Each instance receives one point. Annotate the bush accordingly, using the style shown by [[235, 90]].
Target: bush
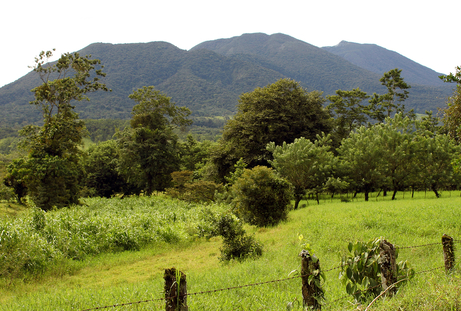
[[192, 191], [261, 197], [361, 271], [236, 244]]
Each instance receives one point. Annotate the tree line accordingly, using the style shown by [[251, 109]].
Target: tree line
[[282, 137]]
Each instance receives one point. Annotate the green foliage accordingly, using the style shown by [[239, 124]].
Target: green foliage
[[194, 154], [52, 170], [452, 113], [361, 272], [437, 162], [104, 129], [192, 190], [382, 106], [37, 241], [279, 112], [348, 111], [149, 151], [306, 165], [101, 164], [236, 244], [361, 159], [261, 197], [453, 77], [15, 179]]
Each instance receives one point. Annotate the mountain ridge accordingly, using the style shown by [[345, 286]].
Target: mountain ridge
[[210, 77], [378, 60]]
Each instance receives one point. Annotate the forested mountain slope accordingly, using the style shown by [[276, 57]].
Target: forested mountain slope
[[378, 60], [211, 76]]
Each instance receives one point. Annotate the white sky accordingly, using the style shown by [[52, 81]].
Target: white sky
[[426, 32]]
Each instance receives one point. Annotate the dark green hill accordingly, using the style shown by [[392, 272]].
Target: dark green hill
[[210, 77], [378, 60], [206, 82], [315, 68], [322, 69]]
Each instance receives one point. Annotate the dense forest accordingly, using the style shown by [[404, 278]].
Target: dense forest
[[209, 78], [282, 136]]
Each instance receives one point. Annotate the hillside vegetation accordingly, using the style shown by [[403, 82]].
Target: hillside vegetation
[[100, 279], [210, 77]]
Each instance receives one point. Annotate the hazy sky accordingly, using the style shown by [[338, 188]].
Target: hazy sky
[[426, 32]]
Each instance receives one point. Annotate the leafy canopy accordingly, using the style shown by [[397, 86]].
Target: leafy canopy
[[52, 170]]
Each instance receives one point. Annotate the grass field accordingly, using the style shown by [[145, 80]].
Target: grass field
[[119, 277]]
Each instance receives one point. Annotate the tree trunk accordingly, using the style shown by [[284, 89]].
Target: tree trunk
[[434, 188], [297, 200], [393, 194]]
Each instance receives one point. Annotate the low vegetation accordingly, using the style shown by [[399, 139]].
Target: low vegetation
[[114, 276]]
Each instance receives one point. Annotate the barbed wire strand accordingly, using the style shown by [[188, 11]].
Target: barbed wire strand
[[265, 282], [416, 246], [123, 304]]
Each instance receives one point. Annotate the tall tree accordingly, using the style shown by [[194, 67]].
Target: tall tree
[[362, 161], [306, 165], [279, 112], [435, 157], [101, 170], [452, 113], [52, 170], [382, 106], [149, 150], [398, 151], [348, 111]]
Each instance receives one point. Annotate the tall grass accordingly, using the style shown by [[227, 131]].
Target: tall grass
[[328, 228], [37, 241]]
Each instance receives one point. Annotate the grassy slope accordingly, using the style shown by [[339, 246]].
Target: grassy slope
[[134, 276]]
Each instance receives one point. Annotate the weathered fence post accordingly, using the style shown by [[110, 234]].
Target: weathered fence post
[[310, 275], [448, 252], [388, 265], [175, 290]]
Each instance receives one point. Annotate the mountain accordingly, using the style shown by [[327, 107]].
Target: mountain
[[313, 67], [321, 69], [204, 81], [379, 60], [210, 77]]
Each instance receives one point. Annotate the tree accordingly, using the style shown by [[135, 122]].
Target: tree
[[306, 165], [435, 157], [16, 179], [149, 150], [193, 153], [101, 169], [52, 169], [280, 112], [361, 157], [382, 106], [261, 197], [398, 149], [348, 112], [452, 114]]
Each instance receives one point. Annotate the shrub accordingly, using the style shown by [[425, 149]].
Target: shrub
[[236, 244], [361, 271], [192, 191], [261, 197]]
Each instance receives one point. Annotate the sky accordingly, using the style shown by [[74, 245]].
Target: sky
[[425, 32]]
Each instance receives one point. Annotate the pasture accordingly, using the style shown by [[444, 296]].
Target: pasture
[[110, 252]]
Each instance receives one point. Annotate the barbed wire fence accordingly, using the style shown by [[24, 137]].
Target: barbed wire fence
[[448, 256]]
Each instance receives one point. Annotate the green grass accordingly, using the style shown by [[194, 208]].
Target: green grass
[[9, 209], [130, 276]]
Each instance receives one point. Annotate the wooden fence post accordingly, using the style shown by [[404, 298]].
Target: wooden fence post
[[175, 297], [310, 275], [448, 252], [388, 265]]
